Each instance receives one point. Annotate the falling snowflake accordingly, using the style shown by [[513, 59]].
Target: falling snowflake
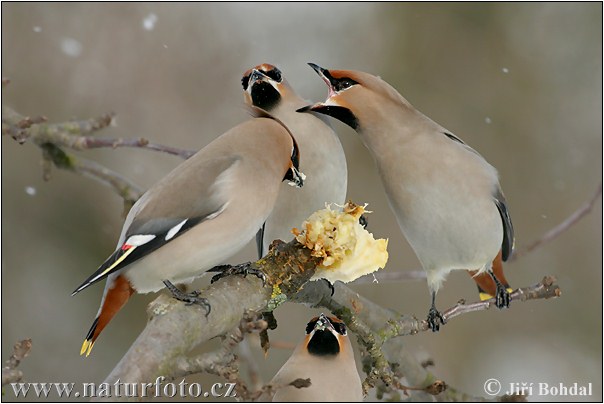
[[71, 47], [37, 29], [487, 120], [31, 191], [149, 22], [505, 70]]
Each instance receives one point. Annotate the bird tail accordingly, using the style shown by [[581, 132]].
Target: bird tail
[[486, 285], [117, 293]]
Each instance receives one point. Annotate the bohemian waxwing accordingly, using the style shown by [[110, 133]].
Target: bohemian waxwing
[[446, 196], [324, 162], [327, 358], [198, 216]]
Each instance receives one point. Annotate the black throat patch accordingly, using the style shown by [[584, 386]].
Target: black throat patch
[[323, 343], [341, 113], [264, 95]]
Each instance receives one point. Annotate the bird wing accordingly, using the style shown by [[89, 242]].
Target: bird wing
[[507, 247], [189, 195]]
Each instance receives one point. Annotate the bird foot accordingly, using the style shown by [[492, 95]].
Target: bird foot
[[502, 297], [188, 298], [363, 221], [241, 269], [435, 319]]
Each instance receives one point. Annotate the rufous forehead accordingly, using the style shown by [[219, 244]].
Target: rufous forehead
[[340, 74], [265, 67]]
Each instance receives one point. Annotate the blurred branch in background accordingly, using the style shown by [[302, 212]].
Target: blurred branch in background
[[10, 374], [562, 227], [54, 138], [175, 329]]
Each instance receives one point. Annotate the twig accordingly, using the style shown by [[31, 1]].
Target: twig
[[410, 325], [9, 372], [562, 227], [269, 390], [391, 276], [221, 362], [53, 138], [72, 134], [246, 358], [55, 155]]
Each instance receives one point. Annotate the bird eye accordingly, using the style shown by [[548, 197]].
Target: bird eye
[[344, 83], [311, 325], [245, 81], [340, 328], [274, 74]]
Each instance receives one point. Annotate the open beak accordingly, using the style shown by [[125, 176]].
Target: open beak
[[326, 76], [330, 106]]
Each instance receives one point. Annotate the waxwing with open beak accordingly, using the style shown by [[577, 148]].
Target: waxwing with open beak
[[199, 215], [446, 197]]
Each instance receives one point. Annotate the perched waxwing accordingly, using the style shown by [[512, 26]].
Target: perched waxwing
[[198, 216], [324, 162], [327, 358], [446, 197]]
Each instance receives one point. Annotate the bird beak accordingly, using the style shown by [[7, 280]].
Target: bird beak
[[257, 75], [327, 78], [323, 323], [331, 106]]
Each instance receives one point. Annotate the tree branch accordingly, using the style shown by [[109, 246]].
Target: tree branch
[[377, 329], [175, 329], [72, 134], [54, 138], [54, 155], [10, 374], [562, 227], [222, 361]]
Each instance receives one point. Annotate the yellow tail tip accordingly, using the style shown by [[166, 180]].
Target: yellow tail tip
[[86, 347], [485, 296]]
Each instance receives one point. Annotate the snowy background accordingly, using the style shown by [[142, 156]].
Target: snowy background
[[521, 83]]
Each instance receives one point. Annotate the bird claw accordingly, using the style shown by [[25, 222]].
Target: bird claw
[[435, 319], [502, 297], [363, 221], [188, 298], [241, 269]]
